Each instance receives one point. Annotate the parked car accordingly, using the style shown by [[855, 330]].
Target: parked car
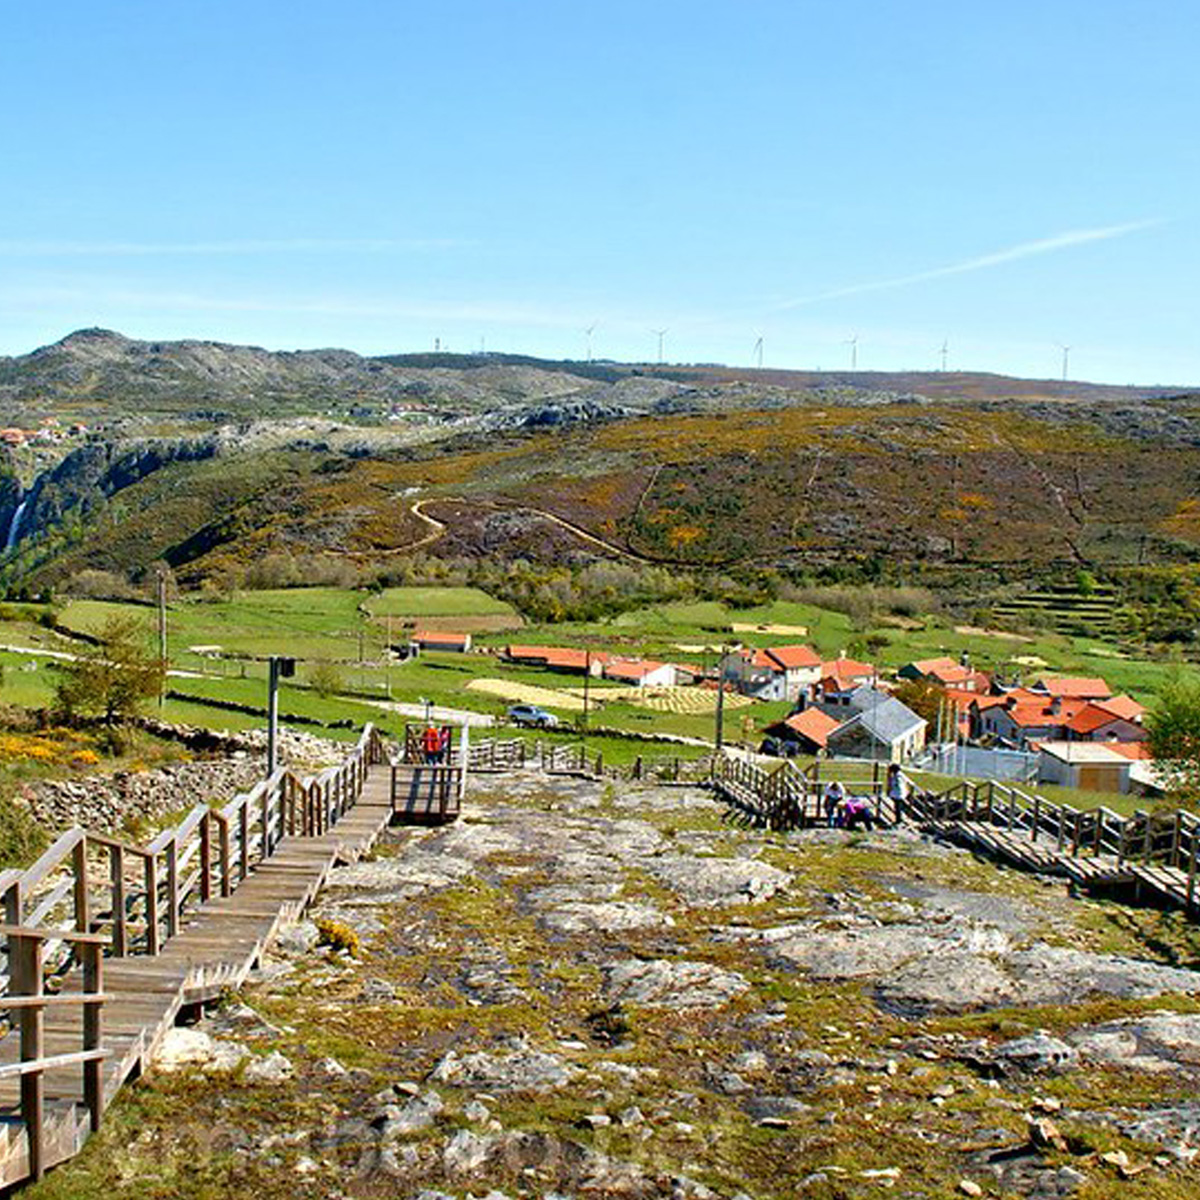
[[531, 715]]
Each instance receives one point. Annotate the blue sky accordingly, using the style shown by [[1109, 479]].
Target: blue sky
[[1004, 179]]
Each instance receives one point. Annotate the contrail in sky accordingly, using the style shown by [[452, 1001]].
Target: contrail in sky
[[30, 249], [1061, 241]]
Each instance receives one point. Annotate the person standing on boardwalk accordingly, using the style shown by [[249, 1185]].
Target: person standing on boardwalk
[[431, 744]]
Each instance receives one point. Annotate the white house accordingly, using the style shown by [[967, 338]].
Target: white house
[[637, 672], [776, 673]]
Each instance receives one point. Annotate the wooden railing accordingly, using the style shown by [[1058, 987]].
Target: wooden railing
[[791, 797], [1170, 839], [89, 891], [509, 754]]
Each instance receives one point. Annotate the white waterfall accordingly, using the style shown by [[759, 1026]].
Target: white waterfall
[[14, 525]]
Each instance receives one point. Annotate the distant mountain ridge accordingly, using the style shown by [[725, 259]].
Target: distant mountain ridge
[[105, 372]]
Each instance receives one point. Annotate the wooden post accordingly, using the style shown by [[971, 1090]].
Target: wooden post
[[25, 968], [172, 887], [1191, 880], [116, 862], [83, 916], [14, 905], [205, 857], [223, 856], [1037, 817], [244, 840], [93, 1089], [150, 866], [264, 841], [1176, 834], [637, 767]]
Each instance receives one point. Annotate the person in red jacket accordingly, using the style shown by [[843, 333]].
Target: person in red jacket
[[431, 744]]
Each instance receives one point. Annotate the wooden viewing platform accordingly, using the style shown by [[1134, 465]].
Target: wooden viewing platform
[[107, 941]]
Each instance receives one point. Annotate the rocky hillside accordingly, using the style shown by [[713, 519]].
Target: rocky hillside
[[110, 376], [104, 376], [593, 990]]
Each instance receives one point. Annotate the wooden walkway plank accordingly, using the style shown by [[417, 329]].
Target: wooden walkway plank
[[216, 946]]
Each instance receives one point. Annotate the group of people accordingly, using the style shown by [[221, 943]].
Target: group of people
[[845, 811]]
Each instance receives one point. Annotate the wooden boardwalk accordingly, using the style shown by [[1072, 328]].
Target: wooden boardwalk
[[1151, 857], [107, 942]]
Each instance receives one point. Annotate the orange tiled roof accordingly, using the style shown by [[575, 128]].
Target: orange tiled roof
[[440, 635], [842, 671], [1077, 686], [1125, 707], [792, 657], [632, 668], [928, 665], [1092, 717], [566, 657], [1035, 713], [813, 724], [1138, 751]]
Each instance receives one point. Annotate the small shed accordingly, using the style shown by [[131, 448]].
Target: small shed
[[441, 639], [1091, 766]]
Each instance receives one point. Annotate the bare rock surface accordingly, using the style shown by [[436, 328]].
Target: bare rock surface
[[591, 989], [1156, 1042], [603, 917], [665, 984], [518, 1071], [705, 882]]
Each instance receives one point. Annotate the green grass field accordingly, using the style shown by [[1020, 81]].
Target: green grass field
[[346, 628], [421, 602]]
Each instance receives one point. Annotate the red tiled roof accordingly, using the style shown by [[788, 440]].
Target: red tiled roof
[[1077, 686], [1036, 713], [792, 657], [1089, 718], [813, 724], [927, 665], [1138, 751], [1125, 707], [842, 671], [564, 657], [440, 635], [632, 668]]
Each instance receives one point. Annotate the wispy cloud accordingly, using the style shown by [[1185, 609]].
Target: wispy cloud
[[1061, 241], [121, 301], [70, 249]]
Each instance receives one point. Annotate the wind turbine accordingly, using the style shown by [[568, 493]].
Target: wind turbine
[[662, 333], [945, 351], [853, 344], [1066, 358], [758, 350], [589, 331]]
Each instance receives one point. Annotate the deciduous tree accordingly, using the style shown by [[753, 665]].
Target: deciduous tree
[[113, 678], [1174, 729]]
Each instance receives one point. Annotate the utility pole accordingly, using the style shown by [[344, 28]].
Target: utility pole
[[720, 730], [162, 634], [387, 659], [587, 675]]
